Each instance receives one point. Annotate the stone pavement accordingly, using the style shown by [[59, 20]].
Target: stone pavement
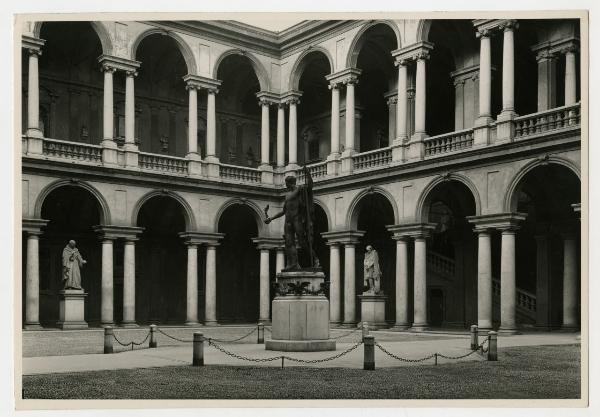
[[407, 345]]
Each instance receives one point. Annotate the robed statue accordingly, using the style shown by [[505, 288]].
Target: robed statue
[[299, 212], [372, 272], [72, 262]]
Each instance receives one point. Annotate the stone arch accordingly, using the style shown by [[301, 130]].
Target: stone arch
[[104, 208], [323, 207], [510, 202], [188, 214], [259, 69], [422, 211], [301, 63], [356, 45], [257, 212], [99, 28], [184, 48], [423, 30], [352, 215]]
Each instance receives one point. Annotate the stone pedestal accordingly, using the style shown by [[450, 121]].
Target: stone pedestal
[[300, 322], [71, 309], [372, 310]]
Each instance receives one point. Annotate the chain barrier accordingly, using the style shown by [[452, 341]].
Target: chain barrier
[[283, 357], [433, 355], [234, 340], [173, 337], [268, 329], [132, 343], [348, 333]]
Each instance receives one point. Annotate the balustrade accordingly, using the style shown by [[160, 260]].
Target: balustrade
[[372, 159], [163, 163], [238, 173], [72, 150], [448, 142], [549, 120]]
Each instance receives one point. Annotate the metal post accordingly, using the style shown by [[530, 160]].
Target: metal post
[[261, 333], [108, 339], [153, 343], [474, 338], [198, 355], [365, 328], [493, 346], [369, 349]]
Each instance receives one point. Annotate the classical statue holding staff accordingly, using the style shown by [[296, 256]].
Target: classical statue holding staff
[[372, 271], [72, 262], [299, 212]]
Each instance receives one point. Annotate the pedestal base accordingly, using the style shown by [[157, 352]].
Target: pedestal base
[[372, 310], [72, 309], [300, 345]]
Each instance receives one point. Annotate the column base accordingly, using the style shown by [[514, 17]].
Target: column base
[[400, 327], [481, 131], [211, 166], [35, 144], [34, 132], [398, 149], [569, 328], [335, 323], [419, 327], [131, 155], [194, 323], [333, 163], [107, 324], [266, 174], [349, 325], [508, 331], [347, 161], [109, 152], [129, 324], [416, 147], [291, 169], [266, 322], [211, 323], [32, 326]]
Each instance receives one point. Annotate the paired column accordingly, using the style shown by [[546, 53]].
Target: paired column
[[484, 280], [420, 94], [508, 68], [192, 284], [108, 105], [334, 284], [401, 106], [107, 283], [211, 123], [349, 284], [350, 82], [402, 322], [293, 133], [32, 281], [508, 286], [130, 108], [570, 312], [570, 75], [279, 260], [192, 120], [280, 135], [265, 301], [33, 89], [485, 76], [335, 120], [546, 83], [264, 132], [420, 284], [129, 283], [210, 290]]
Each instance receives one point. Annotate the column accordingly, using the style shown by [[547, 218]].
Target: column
[[280, 135], [33, 95], [265, 301], [349, 285], [108, 117], [484, 281], [485, 76], [32, 282], [508, 68], [542, 285], [211, 121], [264, 133], [392, 102], [130, 108], [192, 120], [401, 106], [459, 103], [420, 95], [546, 80], [334, 284], [279, 260], [401, 284], [210, 290], [192, 285], [420, 284], [350, 115], [335, 119], [129, 283], [570, 76], [570, 313], [508, 290], [293, 134], [107, 292]]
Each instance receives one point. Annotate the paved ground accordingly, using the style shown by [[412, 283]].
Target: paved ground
[[42, 347]]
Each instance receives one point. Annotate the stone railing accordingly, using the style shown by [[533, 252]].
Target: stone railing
[[526, 301], [372, 159], [441, 264], [163, 163], [318, 170], [546, 121], [448, 142], [62, 149], [238, 173]]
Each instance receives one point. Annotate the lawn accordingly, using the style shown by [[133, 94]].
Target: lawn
[[541, 372]]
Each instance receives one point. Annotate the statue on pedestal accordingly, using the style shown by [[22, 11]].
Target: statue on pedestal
[[299, 212], [372, 272], [72, 262]]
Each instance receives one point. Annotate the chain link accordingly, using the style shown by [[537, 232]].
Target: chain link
[[348, 333], [132, 343], [330, 358], [173, 337], [234, 340], [235, 355], [436, 354], [403, 359]]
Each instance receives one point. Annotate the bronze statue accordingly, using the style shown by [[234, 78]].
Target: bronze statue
[[299, 212]]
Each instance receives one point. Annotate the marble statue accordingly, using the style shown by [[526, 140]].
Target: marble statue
[[299, 212], [72, 262], [372, 272]]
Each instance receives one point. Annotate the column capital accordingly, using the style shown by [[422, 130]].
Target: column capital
[[117, 232], [345, 237], [266, 243], [345, 76], [411, 230], [201, 238], [291, 97], [131, 73], [33, 45], [391, 97], [34, 226], [267, 98], [198, 82], [416, 51], [500, 221], [118, 64], [487, 27], [508, 25]]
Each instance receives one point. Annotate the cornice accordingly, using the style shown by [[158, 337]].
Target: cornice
[[197, 81], [415, 230], [118, 63], [31, 43], [503, 221]]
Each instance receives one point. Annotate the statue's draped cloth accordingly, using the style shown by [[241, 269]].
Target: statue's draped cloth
[[372, 271], [72, 261]]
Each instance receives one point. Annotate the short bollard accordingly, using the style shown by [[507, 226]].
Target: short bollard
[[369, 348], [474, 338], [261, 333], [153, 343], [492, 346], [365, 328], [198, 358], [108, 339]]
